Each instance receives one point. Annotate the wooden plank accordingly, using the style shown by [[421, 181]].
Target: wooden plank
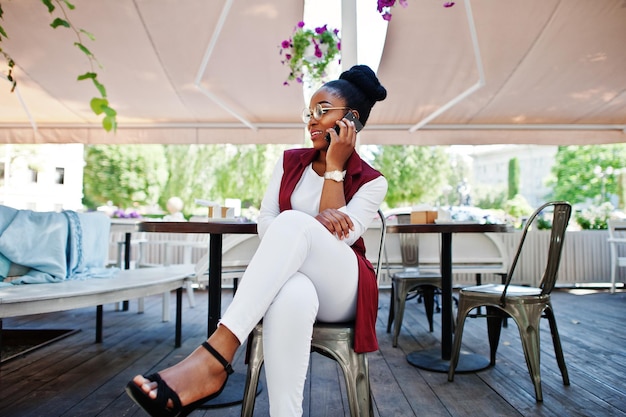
[[75, 376]]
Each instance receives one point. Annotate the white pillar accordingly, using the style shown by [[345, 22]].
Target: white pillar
[[349, 56]]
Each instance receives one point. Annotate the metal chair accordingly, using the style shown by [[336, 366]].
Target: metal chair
[[526, 305], [410, 283], [615, 241], [333, 340]]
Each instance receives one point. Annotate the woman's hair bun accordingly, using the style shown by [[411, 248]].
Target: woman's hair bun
[[365, 80]]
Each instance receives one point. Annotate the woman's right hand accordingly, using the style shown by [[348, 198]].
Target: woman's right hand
[[341, 145]]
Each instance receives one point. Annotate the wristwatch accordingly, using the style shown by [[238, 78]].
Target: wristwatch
[[335, 175]]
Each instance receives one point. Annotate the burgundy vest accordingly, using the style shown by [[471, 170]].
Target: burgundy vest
[[358, 172]]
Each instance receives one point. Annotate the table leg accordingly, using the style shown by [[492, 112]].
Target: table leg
[[127, 240], [438, 360], [215, 282], [233, 391]]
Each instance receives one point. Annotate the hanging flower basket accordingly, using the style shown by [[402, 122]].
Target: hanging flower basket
[[384, 6], [308, 53]]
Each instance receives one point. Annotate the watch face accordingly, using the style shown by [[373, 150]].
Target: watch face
[[334, 175]]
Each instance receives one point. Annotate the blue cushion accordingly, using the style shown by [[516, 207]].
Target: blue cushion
[[5, 265]]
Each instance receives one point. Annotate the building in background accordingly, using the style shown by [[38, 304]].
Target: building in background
[[46, 177], [491, 168]]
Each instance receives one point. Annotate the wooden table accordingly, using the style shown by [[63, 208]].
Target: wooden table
[[233, 392], [438, 360]]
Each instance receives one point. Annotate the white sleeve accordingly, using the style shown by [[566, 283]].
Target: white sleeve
[[363, 206], [269, 205]]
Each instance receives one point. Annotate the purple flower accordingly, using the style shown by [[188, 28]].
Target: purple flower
[[387, 16], [385, 3], [318, 51], [448, 4], [336, 31], [320, 30], [287, 57], [286, 44], [285, 83], [339, 46], [301, 24], [403, 3]]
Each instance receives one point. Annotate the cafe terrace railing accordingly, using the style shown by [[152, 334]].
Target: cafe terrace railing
[[585, 259]]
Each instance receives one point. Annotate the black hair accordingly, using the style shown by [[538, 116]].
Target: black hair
[[360, 88]]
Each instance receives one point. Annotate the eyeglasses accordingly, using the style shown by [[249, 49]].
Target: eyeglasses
[[318, 112]]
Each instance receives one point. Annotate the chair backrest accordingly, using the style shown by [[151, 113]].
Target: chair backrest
[[562, 211], [381, 245], [406, 245], [617, 238], [615, 226], [409, 244]]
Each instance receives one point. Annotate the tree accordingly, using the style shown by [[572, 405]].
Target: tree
[[130, 175], [415, 174], [573, 177], [245, 172], [217, 172], [126, 175], [190, 173], [513, 178]]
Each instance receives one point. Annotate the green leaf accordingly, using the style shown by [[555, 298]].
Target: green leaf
[[84, 49], [69, 5], [109, 123], [1, 12], [49, 5], [109, 111], [89, 35], [87, 75], [100, 87], [98, 104], [59, 22], [2, 32]]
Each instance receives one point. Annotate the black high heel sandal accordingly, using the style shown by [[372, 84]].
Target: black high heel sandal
[[158, 407]]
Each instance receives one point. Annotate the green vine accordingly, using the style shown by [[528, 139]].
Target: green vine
[[99, 105]]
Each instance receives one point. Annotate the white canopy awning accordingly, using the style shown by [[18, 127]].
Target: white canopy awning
[[209, 72]]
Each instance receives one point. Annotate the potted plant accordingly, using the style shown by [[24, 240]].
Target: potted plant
[[309, 52]]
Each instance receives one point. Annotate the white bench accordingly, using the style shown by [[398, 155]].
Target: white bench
[[26, 299]]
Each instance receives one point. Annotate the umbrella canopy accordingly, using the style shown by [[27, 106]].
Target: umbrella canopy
[[522, 71]]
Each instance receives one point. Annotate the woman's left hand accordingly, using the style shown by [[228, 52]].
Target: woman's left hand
[[337, 222]]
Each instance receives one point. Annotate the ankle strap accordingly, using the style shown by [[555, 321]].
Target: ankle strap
[[227, 366]]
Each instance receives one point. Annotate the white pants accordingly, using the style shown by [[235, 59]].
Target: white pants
[[300, 272]]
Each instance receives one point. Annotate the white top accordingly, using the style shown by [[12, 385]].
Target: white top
[[306, 198]]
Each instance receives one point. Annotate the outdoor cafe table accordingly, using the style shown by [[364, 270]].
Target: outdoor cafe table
[[233, 392], [438, 360]]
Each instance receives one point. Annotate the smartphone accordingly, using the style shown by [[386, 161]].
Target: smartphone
[[350, 116]]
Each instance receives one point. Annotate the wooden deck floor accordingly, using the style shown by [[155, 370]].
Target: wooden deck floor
[[76, 377]]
